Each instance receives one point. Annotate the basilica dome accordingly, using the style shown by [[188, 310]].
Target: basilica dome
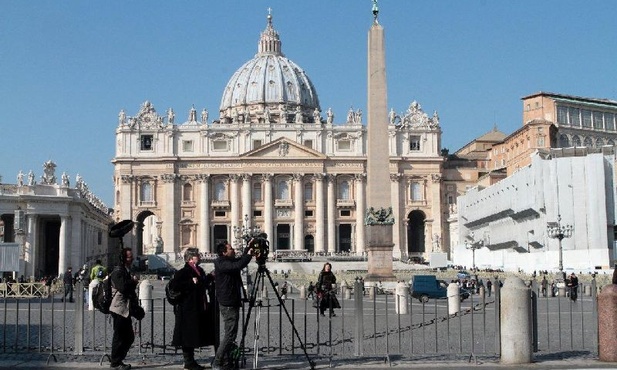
[[269, 88]]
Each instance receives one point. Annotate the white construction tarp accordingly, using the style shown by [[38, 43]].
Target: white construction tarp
[[9, 257]]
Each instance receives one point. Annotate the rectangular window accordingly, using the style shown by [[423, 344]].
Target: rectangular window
[[598, 120], [187, 145], [586, 117], [256, 144], [416, 191], [609, 121], [562, 115], [219, 145], [308, 213], [146, 142], [308, 143], [414, 143], [344, 145], [257, 192], [541, 141], [450, 199], [575, 117], [256, 213], [345, 213], [219, 213]]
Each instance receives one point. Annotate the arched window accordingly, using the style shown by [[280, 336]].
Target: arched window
[[147, 194], [282, 190], [219, 190], [599, 142], [588, 142], [576, 141], [343, 190], [563, 141], [308, 191], [187, 192]]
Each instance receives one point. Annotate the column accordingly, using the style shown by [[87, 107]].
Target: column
[[205, 246], [320, 226], [436, 209], [63, 253], [331, 214], [30, 245], [395, 182], [246, 198], [170, 221], [235, 204], [268, 205], [360, 213], [298, 212]]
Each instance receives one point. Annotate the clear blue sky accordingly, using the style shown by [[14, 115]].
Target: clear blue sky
[[68, 67]]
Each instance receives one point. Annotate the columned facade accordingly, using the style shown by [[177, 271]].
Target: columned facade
[[297, 171]]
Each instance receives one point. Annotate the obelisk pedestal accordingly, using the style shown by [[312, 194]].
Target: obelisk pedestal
[[379, 247]]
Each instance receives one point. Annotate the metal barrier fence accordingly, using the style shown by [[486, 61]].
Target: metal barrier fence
[[365, 326]]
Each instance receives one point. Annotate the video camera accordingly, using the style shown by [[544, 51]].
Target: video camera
[[259, 244]]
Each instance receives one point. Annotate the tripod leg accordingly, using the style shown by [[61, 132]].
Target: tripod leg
[[252, 298], [282, 303]]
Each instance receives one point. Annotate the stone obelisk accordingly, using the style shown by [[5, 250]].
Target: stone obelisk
[[378, 219]]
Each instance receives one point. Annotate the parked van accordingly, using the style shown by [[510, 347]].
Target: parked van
[[423, 287]]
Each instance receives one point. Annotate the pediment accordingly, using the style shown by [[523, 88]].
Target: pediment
[[283, 148]]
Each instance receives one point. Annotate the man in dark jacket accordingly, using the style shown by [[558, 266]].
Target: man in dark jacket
[[68, 284], [228, 285], [195, 314], [123, 286]]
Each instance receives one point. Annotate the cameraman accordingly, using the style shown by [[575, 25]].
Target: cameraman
[[228, 286]]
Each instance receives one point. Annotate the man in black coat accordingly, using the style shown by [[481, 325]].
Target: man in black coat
[[195, 314], [228, 282]]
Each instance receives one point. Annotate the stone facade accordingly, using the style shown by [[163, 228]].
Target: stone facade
[[297, 174]]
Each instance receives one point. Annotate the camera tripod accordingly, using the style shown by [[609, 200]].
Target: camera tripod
[[258, 285]]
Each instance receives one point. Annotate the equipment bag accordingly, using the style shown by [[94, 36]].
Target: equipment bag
[[101, 296]]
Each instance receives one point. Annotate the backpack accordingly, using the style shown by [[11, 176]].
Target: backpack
[[101, 296], [100, 274], [173, 296]]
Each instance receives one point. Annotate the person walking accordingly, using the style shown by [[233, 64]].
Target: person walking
[[98, 271], [326, 283], [284, 291], [195, 314], [228, 286], [124, 299], [68, 284], [489, 287], [573, 285], [311, 291]]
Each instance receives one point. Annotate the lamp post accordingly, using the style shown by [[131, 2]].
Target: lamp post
[[245, 232], [556, 230], [473, 244]]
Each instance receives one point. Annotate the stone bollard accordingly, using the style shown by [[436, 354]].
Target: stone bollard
[[607, 331], [561, 291], [91, 287], [401, 298], [587, 290], [482, 291], [515, 317], [372, 289], [145, 295], [302, 292], [346, 292], [454, 299]]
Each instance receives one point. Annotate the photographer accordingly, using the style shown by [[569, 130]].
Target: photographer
[[228, 286], [325, 290]]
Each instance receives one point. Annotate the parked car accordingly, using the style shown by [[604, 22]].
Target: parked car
[[462, 274], [424, 287]]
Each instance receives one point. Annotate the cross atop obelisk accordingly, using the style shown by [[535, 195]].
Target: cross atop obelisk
[[378, 220]]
